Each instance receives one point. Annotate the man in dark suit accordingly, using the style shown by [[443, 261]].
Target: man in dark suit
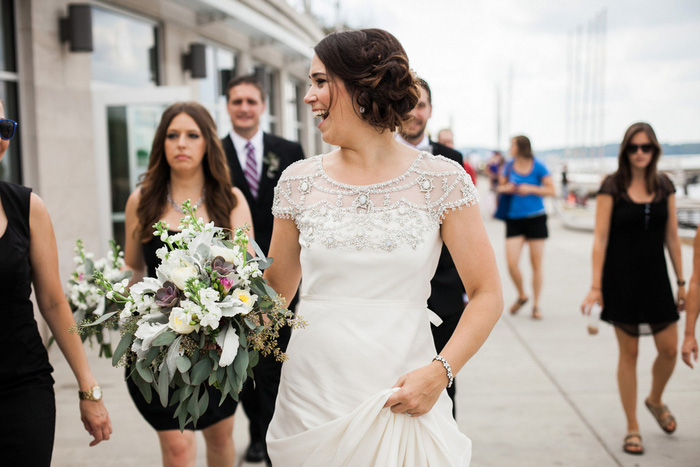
[[256, 160], [447, 291]]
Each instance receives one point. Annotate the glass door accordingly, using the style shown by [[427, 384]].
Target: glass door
[[126, 122]]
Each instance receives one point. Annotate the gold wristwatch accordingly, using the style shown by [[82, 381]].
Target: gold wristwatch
[[94, 394]]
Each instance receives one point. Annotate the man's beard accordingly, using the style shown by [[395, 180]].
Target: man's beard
[[412, 135]]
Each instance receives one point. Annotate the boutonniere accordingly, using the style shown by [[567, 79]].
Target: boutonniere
[[273, 164]]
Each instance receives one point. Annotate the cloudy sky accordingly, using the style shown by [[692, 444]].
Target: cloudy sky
[[468, 49]]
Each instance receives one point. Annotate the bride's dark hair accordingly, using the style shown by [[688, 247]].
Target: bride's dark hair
[[373, 65]]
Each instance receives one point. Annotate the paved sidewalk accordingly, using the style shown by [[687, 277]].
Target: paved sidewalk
[[537, 394]]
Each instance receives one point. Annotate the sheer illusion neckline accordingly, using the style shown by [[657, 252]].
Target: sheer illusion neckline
[[384, 183]]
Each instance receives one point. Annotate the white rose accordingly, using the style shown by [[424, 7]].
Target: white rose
[[180, 275], [180, 321], [246, 299], [177, 268]]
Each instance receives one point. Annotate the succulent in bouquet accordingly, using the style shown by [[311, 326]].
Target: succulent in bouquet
[[205, 318]]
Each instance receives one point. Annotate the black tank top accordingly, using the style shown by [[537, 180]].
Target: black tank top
[[24, 357]]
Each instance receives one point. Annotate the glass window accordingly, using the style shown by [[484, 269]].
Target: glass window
[[130, 131], [293, 110], [221, 66], [269, 121], [8, 60], [10, 168], [125, 49]]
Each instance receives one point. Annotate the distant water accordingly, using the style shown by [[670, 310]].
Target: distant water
[[606, 165], [590, 171]]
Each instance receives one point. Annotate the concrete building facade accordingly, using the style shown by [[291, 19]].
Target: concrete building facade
[[86, 119]]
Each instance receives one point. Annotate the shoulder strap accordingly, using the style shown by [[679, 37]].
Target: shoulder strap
[[15, 202]]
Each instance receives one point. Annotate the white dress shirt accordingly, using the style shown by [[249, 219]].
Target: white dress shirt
[[424, 144]]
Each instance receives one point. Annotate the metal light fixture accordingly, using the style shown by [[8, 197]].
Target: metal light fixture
[[196, 60], [77, 27]]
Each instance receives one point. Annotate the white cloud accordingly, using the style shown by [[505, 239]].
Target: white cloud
[[464, 49]]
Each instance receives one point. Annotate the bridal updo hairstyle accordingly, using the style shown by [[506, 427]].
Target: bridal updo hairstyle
[[218, 197], [373, 65]]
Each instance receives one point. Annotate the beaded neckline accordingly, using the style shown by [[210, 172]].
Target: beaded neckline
[[392, 181]]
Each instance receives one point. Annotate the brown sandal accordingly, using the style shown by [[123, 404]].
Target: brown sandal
[[631, 446], [518, 305], [663, 416]]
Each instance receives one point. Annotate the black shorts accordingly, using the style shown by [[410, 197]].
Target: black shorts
[[531, 227]]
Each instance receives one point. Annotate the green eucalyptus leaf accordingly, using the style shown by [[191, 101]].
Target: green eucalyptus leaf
[[163, 386], [144, 387], [204, 402], [241, 362], [122, 347], [183, 363], [192, 406], [144, 371], [200, 372], [101, 319], [151, 355], [164, 338]]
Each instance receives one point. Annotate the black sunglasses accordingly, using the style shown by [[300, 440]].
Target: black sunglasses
[[646, 148], [7, 128]]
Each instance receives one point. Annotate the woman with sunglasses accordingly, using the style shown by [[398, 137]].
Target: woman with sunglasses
[[635, 219], [28, 258]]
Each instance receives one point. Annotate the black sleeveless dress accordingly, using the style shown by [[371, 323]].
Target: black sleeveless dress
[[159, 417], [27, 402], [637, 294]]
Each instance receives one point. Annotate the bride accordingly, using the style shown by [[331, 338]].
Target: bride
[[364, 225]]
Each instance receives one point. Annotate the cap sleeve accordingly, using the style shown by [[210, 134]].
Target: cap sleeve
[[456, 189], [294, 183], [667, 186], [608, 187]]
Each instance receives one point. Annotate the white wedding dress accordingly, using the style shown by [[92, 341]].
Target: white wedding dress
[[367, 256]]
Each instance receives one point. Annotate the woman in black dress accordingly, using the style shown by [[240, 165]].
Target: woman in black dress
[[635, 219], [186, 162], [28, 257]]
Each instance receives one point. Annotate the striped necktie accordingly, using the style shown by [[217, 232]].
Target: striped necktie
[[251, 170]]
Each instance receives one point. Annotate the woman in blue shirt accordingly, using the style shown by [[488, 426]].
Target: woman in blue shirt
[[529, 181]]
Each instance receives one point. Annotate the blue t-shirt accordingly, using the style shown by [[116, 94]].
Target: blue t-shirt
[[528, 205]]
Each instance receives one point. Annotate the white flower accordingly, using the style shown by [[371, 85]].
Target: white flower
[[164, 236], [148, 284], [180, 321], [211, 318], [245, 298], [146, 332], [161, 252], [178, 268], [230, 255], [228, 340], [126, 312]]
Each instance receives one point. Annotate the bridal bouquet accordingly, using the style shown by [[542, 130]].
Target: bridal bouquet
[[206, 317], [86, 296]]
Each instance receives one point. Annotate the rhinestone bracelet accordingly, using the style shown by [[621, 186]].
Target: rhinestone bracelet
[[447, 369]]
